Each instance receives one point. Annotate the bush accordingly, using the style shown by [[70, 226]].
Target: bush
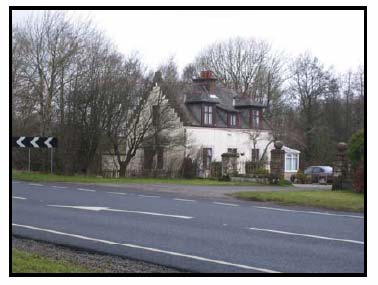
[[300, 178], [356, 153], [251, 167], [225, 178], [356, 148], [188, 169], [262, 172], [216, 169]]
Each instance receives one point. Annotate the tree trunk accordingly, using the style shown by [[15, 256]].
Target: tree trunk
[[122, 169]]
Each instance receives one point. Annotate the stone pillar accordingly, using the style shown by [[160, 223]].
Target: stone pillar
[[277, 161], [341, 178], [229, 163]]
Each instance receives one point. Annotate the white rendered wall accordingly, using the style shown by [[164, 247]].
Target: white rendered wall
[[220, 139]]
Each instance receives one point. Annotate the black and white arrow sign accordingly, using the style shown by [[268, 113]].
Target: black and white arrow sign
[[34, 142]]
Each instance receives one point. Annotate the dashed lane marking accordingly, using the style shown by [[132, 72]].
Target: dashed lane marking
[[87, 190], [117, 193], [307, 235], [309, 212], [149, 196], [60, 187], [20, 198], [226, 204], [184, 200], [35, 184]]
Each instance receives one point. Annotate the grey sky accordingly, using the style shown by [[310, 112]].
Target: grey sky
[[335, 37]]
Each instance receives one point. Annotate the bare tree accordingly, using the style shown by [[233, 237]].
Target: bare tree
[[310, 84], [236, 62]]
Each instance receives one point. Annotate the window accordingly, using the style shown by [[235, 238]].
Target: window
[[155, 115], [232, 150], [255, 119], [232, 120], [317, 170], [148, 157], [207, 156], [291, 162], [255, 154], [208, 115]]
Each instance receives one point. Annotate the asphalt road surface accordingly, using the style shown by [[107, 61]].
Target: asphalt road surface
[[197, 235]]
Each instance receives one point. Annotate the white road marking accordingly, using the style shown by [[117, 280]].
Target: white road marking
[[148, 196], [309, 212], [21, 198], [307, 235], [116, 193], [16, 182], [88, 190], [226, 204], [125, 211], [61, 187], [35, 184], [64, 234], [184, 200], [195, 257]]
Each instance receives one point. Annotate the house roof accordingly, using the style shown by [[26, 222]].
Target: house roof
[[290, 150], [180, 95]]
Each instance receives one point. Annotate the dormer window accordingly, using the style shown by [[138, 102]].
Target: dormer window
[[232, 120], [208, 115], [255, 114]]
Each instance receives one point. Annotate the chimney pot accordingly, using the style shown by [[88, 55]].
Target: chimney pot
[[206, 74]]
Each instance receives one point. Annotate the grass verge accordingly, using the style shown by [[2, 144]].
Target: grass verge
[[43, 177], [25, 262], [333, 200]]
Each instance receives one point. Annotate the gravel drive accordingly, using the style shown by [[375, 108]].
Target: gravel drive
[[96, 261]]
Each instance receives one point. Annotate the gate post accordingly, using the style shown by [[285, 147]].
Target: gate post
[[277, 161]]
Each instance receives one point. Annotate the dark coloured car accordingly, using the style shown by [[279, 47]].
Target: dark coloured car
[[319, 174]]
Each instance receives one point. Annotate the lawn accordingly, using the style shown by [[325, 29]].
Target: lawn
[[333, 200], [25, 262], [43, 177]]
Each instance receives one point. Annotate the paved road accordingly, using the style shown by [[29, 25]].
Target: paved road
[[199, 235]]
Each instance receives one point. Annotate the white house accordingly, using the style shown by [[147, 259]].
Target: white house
[[213, 120]]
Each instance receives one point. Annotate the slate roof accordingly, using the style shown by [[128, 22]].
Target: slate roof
[[183, 94]]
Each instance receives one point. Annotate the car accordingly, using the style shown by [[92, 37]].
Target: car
[[319, 174]]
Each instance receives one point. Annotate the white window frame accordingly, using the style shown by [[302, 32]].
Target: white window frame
[[208, 115], [256, 119], [233, 120], [291, 156]]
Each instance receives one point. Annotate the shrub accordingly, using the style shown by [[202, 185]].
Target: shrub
[[225, 178], [301, 178], [356, 152], [216, 169], [356, 148], [262, 172], [293, 178], [187, 168], [273, 179]]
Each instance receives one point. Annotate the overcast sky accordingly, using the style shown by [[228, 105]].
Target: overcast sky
[[335, 37]]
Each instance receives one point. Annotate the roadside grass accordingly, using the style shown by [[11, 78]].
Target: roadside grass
[[327, 199], [25, 262], [43, 177]]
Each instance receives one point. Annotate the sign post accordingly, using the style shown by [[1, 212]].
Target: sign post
[[29, 160], [36, 142], [51, 162]]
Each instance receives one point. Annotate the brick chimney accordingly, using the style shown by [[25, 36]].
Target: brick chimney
[[208, 80]]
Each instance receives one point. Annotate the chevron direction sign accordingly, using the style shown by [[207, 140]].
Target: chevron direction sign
[[34, 142]]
